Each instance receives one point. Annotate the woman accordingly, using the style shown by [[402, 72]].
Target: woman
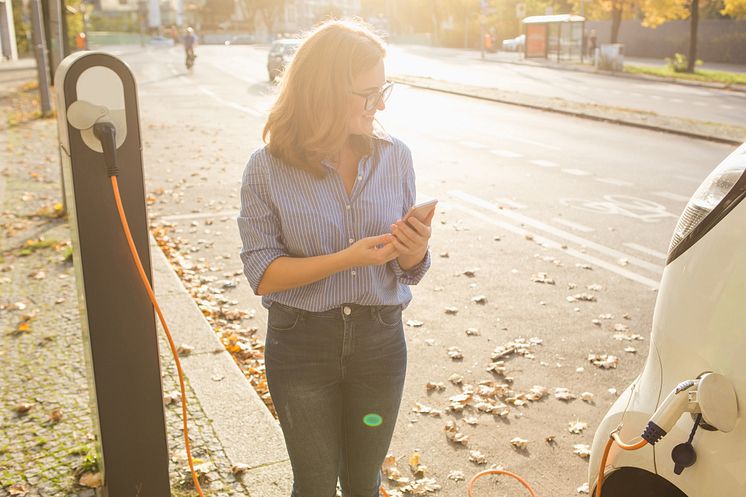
[[324, 245]]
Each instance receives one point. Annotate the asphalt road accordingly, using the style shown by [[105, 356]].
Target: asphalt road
[[465, 66], [522, 192]]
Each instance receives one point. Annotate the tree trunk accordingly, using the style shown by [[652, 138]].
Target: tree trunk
[[617, 10], [693, 36]]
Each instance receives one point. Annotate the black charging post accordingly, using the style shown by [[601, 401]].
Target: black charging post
[[117, 319]]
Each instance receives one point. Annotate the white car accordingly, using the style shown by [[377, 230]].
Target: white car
[[695, 373], [515, 44]]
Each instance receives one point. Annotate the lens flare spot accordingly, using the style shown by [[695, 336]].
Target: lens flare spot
[[372, 419]]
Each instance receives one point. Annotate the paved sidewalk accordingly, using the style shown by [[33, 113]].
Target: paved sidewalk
[[46, 424]]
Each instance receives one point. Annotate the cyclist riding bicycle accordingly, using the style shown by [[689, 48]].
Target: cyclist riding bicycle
[[190, 40]]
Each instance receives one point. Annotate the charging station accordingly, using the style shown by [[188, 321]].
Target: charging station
[[117, 319]]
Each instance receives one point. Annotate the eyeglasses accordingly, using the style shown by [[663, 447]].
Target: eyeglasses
[[374, 98]]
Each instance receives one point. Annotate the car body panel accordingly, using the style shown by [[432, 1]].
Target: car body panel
[[699, 325]]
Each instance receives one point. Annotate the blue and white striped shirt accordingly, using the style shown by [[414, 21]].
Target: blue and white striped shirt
[[289, 212]]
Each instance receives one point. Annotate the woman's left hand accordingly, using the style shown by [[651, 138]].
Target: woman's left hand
[[411, 238]]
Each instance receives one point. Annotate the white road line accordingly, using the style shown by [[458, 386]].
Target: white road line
[[656, 97], [645, 250], [576, 172], [548, 243], [181, 217], [672, 196], [473, 144], [635, 94], [532, 142], [528, 221], [506, 153], [676, 100], [544, 163], [614, 181], [510, 203], [727, 107], [572, 225], [700, 104], [228, 103]]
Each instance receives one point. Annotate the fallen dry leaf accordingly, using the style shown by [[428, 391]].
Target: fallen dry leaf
[[477, 457], [519, 443], [542, 278], [577, 427], [582, 450], [603, 361], [90, 480]]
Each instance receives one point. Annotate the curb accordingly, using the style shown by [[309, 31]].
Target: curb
[[479, 93], [616, 74], [244, 427]]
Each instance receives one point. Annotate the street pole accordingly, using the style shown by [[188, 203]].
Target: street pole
[[481, 37], [40, 51]]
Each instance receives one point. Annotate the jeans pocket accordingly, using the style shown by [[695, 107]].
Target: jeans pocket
[[282, 317], [389, 316]]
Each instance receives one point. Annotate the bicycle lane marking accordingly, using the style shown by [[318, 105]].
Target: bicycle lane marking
[[552, 244], [583, 242]]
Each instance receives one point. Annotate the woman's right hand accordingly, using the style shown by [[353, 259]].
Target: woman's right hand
[[374, 250]]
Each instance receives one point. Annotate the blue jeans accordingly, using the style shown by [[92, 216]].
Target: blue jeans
[[336, 380]]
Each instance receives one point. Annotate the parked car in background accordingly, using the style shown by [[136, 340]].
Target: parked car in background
[[241, 40], [515, 44], [280, 54]]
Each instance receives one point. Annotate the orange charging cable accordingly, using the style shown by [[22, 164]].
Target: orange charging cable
[[614, 437], [473, 480], [149, 290]]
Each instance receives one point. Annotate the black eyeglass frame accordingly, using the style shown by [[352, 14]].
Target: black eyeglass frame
[[372, 99]]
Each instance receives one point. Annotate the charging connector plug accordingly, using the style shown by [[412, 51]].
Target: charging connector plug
[[107, 135]]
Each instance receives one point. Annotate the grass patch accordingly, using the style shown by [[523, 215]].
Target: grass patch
[[727, 78], [32, 246]]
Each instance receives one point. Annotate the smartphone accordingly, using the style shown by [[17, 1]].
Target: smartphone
[[421, 210]]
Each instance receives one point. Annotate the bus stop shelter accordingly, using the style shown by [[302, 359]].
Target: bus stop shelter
[[559, 36]]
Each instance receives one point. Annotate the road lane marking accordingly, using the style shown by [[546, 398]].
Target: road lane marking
[[506, 153], [552, 244], [640, 209], [701, 104], [676, 100], [576, 172], [672, 196], [228, 103], [572, 225], [645, 250], [544, 163], [532, 142], [583, 242], [727, 107], [614, 181], [656, 97], [510, 203]]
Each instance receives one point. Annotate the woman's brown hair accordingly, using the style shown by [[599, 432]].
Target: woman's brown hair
[[308, 121]]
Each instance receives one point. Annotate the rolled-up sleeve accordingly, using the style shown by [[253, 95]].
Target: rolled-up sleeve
[[258, 224], [413, 275]]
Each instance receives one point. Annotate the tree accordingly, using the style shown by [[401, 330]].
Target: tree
[[735, 9], [656, 12], [217, 11], [268, 10]]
